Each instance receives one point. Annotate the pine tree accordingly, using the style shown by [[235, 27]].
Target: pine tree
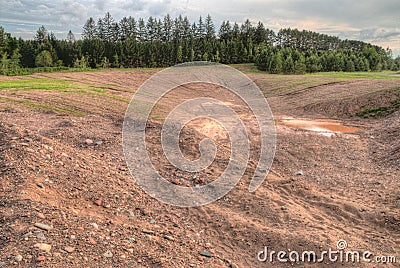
[[70, 37], [89, 29], [209, 28]]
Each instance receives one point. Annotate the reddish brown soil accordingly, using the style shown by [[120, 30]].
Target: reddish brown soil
[[49, 174]]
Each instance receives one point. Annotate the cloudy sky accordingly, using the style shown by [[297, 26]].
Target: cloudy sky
[[374, 21]]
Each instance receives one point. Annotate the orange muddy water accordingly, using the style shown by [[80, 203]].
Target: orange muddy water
[[321, 126]]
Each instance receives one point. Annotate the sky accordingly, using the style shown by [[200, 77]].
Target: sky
[[373, 21]]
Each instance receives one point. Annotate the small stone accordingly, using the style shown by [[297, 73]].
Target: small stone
[[40, 185], [18, 258], [41, 258], [98, 143], [43, 226], [95, 226], [24, 144], [206, 254], [41, 236], [199, 180], [130, 213], [43, 247], [170, 238], [98, 202], [108, 254], [233, 265], [69, 249], [176, 181], [130, 250], [283, 208], [40, 216], [299, 173], [132, 240], [152, 221], [92, 241], [89, 141], [149, 232]]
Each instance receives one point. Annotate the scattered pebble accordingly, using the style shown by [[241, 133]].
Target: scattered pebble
[[206, 254], [299, 173], [98, 143], [98, 202], [283, 208], [69, 249], [149, 232], [92, 241], [40, 185], [43, 247], [170, 238], [95, 226], [43, 226], [41, 236], [40, 216], [41, 258], [108, 254], [89, 141], [233, 265], [18, 258]]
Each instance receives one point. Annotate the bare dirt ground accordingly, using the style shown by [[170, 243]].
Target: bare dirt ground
[[62, 166]]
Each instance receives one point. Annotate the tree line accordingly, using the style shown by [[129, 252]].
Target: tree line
[[164, 42]]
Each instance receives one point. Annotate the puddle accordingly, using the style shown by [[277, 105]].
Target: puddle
[[323, 127]]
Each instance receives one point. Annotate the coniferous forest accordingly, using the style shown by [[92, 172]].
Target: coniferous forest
[[132, 42]]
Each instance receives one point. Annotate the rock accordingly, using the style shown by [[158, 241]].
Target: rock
[[89, 141], [43, 226], [18, 258], [233, 265], [40, 215], [206, 254], [94, 225], [299, 173], [130, 250], [43, 247], [108, 254], [41, 258], [92, 241], [98, 202], [40, 185], [152, 221], [130, 213], [98, 143], [170, 238], [132, 240], [199, 180], [283, 208], [41, 236], [69, 249], [149, 232]]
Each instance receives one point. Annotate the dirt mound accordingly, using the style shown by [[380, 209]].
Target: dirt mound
[[65, 184], [386, 146]]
